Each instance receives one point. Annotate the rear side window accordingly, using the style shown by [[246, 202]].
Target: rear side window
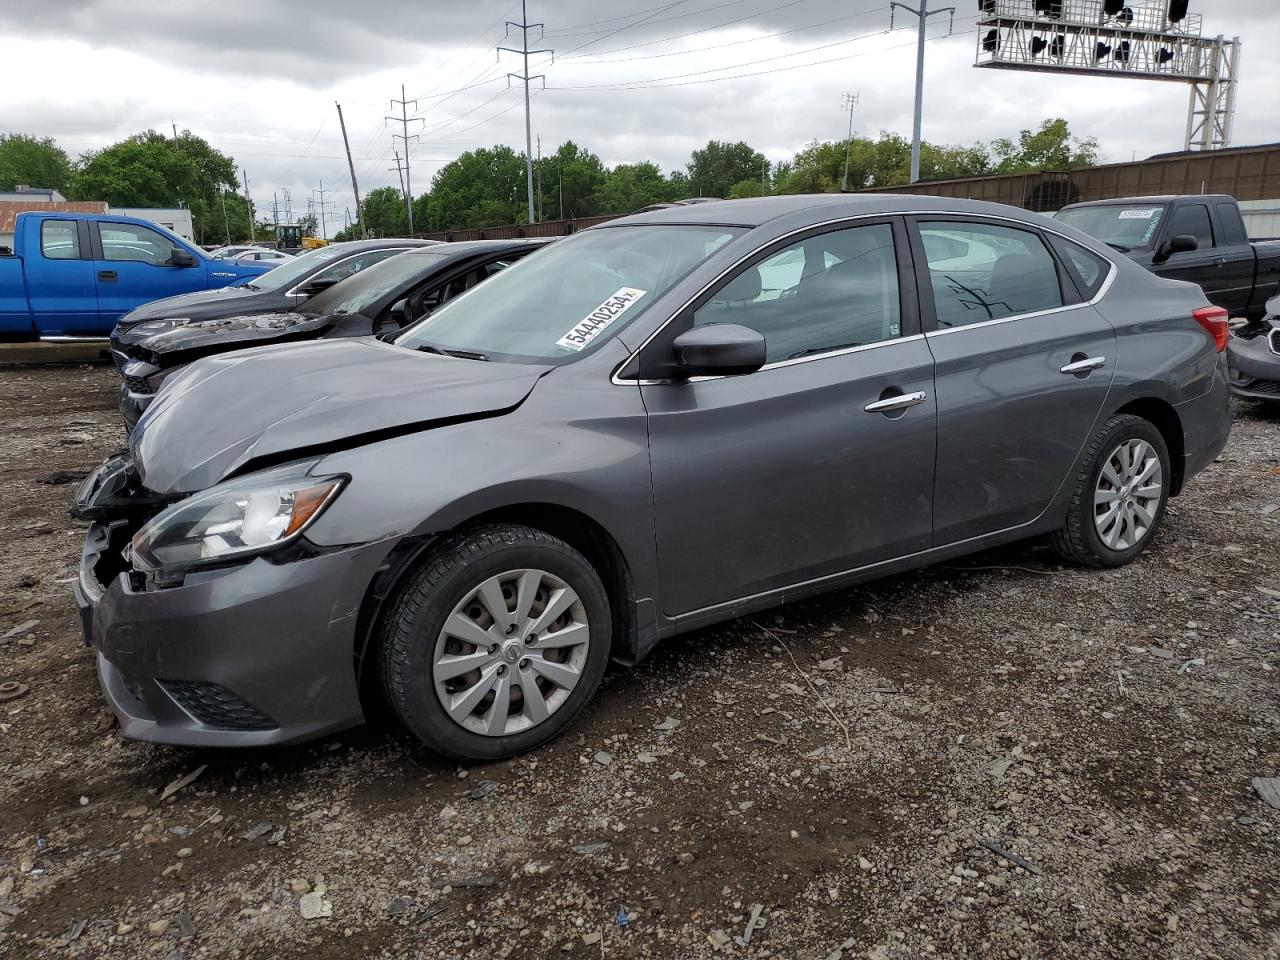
[[1232, 223], [59, 240], [1192, 219], [981, 271], [1087, 268]]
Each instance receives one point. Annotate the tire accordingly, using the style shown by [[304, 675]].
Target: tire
[[1081, 539], [439, 621]]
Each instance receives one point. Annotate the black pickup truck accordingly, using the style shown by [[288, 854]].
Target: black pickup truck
[[1198, 238]]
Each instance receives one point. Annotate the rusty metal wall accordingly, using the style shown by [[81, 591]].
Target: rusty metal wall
[[1247, 173]]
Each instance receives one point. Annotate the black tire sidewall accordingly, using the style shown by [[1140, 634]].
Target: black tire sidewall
[[1133, 428], [419, 625]]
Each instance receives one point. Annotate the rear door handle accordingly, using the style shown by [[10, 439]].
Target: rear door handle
[[108, 275], [1077, 367], [892, 404]]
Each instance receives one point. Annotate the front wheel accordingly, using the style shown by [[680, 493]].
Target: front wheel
[[1120, 495], [496, 642]]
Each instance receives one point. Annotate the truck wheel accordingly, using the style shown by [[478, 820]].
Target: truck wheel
[[1121, 491], [496, 642]]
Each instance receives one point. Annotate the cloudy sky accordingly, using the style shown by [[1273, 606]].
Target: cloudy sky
[[631, 79]]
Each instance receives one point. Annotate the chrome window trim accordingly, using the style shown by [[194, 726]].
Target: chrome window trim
[[1112, 271], [293, 292]]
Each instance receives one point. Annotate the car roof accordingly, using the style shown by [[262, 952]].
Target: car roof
[[1164, 198], [464, 248], [812, 208], [378, 243]]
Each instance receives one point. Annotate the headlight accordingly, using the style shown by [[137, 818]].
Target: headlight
[[150, 327], [233, 520]]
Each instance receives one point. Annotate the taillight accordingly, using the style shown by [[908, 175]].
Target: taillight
[[1214, 321]]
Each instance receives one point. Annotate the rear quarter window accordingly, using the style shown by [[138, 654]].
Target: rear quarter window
[[1087, 269]]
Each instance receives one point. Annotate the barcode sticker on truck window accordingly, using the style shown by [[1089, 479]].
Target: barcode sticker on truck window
[[1137, 214], [595, 322]]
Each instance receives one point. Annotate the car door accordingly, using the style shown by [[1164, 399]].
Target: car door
[[133, 267], [1235, 259], [1022, 367], [1199, 266], [822, 460], [60, 281]]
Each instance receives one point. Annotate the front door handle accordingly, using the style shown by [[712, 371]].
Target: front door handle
[[893, 404], [1083, 366], [108, 275]]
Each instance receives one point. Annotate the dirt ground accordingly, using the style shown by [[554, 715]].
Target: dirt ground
[[1001, 757]]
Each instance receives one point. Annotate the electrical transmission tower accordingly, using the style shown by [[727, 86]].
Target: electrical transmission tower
[[524, 26], [404, 119], [322, 203], [850, 101], [923, 15]]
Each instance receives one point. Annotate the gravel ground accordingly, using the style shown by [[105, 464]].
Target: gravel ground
[[996, 758]]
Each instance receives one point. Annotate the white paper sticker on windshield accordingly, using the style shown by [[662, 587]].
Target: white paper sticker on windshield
[[595, 322], [1137, 214]]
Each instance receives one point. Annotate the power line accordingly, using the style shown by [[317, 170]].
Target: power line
[[628, 26], [524, 26], [405, 119], [558, 34], [690, 33]]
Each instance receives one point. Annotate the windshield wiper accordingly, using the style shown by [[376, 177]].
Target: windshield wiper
[[1117, 246], [448, 352]]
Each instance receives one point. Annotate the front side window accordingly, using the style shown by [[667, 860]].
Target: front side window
[[981, 272], [1193, 220], [576, 294], [827, 292], [353, 265], [129, 241], [59, 240]]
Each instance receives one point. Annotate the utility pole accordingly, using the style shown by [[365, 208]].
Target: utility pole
[[249, 201], [322, 203], [275, 210], [404, 120], [288, 204], [399, 171], [923, 15], [850, 99], [225, 222], [175, 129], [541, 211], [524, 26], [352, 167]]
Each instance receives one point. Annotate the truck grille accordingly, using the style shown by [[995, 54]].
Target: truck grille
[[216, 706]]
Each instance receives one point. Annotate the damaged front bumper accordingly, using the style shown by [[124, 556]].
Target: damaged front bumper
[[257, 653], [1254, 363]]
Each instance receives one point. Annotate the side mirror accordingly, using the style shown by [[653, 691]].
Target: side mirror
[[400, 312], [181, 258], [1182, 243], [318, 285], [719, 349]]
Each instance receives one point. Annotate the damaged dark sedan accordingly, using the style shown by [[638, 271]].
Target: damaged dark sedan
[[657, 424], [1253, 356], [380, 298]]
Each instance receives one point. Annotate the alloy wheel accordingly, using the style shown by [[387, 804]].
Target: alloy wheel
[[510, 654], [1127, 496]]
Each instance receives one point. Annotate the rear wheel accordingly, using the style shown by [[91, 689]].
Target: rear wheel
[[496, 643], [1120, 495]]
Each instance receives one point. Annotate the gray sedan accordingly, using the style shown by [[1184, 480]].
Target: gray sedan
[[670, 420]]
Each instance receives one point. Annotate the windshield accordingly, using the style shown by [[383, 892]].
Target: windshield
[[291, 271], [1128, 226], [576, 293], [361, 290]]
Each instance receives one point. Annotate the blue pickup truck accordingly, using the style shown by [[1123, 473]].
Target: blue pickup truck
[[71, 276]]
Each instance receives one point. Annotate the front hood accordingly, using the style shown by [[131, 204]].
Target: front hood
[[204, 337], [273, 403], [199, 304]]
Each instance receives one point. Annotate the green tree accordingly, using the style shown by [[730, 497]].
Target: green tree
[[384, 213], [481, 188], [715, 168], [630, 186], [150, 170], [27, 161], [746, 188], [571, 178], [1051, 147], [310, 225]]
